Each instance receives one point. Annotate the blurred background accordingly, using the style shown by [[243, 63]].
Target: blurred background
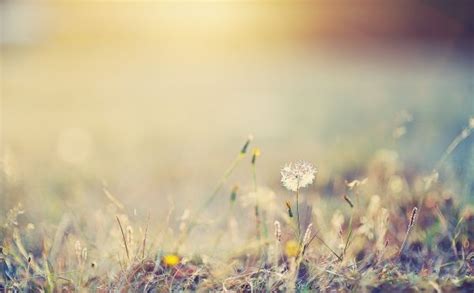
[[154, 99]]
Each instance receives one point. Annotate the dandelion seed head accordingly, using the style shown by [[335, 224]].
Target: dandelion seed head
[[297, 175]]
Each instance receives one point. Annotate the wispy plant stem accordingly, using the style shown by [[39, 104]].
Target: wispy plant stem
[[257, 210], [452, 146], [210, 199], [124, 238], [414, 215], [327, 246], [298, 212], [348, 236]]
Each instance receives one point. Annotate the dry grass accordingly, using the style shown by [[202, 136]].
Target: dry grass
[[393, 231]]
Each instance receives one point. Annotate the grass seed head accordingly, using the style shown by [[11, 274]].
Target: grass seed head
[[244, 149], [277, 231], [307, 235], [414, 215]]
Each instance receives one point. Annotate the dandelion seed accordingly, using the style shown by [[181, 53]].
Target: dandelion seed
[[171, 260], [297, 175], [277, 231]]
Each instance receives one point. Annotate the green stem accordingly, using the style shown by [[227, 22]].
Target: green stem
[[327, 246], [348, 236], [298, 213], [210, 199], [257, 210]]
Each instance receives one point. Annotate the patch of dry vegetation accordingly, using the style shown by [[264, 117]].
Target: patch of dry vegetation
[[390, 230]]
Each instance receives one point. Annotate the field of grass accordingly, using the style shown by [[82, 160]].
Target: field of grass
[[125, 164], [383, 228]]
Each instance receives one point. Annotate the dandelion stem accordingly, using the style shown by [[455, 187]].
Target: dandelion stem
[[298, 213]]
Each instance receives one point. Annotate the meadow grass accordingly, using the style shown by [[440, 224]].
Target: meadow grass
[[389, 230]]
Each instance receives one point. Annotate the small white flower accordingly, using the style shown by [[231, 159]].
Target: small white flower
[[297, 175]]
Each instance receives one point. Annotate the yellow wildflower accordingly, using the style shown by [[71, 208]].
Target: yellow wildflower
[[171, 260], [292, 248]]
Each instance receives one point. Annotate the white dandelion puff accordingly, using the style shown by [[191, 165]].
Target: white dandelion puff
[[298, 175]]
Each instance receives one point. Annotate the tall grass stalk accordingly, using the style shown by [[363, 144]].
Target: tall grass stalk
[[256, 153], [411, 224], [298, 213], [124, 238], [230, 213], [210, 199], [465, 133]]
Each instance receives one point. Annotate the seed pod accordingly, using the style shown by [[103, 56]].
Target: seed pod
[[348, 200], [414, 215], [246, 145], [233, 194], [290, 212]]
